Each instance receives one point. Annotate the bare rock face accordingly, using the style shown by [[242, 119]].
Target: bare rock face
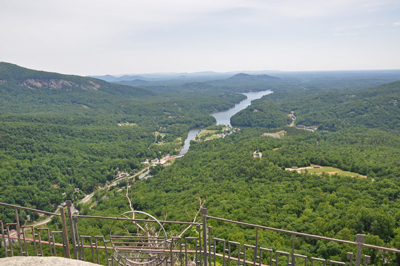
[[56, 84], [93, 86]]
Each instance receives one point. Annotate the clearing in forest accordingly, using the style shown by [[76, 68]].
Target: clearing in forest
[[326, 169], [275, 135]]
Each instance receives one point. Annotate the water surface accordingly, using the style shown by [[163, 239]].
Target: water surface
[[224, 117]]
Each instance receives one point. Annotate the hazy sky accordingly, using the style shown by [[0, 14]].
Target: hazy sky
[[135, 36]]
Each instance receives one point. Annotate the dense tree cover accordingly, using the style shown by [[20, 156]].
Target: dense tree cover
[[261, 116], [53, 140], [332, 110], [239, 187]]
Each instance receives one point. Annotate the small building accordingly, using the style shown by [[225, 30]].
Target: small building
[[295, 167], [76, 189], [257, 154], [156, 161], [317, 166]]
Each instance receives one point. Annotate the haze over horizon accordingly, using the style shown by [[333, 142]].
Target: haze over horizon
[[124, 37]]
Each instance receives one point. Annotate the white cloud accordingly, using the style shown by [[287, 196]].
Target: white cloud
[[346, 34], [350, 27], [124, 36]]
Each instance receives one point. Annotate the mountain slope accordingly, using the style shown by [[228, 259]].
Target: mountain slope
[[332, 110], [243, 79], [243, 76], [11, 74], [25, 90]]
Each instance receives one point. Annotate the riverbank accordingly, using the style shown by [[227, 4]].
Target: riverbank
[[224, 117]]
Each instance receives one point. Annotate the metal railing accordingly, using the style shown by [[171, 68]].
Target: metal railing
[[202, 250]]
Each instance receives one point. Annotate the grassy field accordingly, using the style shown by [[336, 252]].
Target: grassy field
[[331, 171], [205, 132]]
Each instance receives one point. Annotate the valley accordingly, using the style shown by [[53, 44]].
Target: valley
[[61, 140]]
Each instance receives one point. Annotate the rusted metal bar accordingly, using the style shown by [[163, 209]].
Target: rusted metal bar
[[209, 244], [282, 231], [67, 251], [293, 243], [180, 251], [198, 228], [246, 246], [271, 260], [204, 212], [34, 242], [18, 231], [91, 247], [336, 262], [350, 257], [71, 228], [24, 237], [28, 209], [256, 248], [97, 247], [360, 239], [229, 252], [186, 248], [54, 240], [287, 254], [300, 256], [235, 259], [3, 238], [9, 238], [136, 220], [78, 240], [40, 240], [105, 247], [317, 259], [367, 259], [215, 250], [170, 252]]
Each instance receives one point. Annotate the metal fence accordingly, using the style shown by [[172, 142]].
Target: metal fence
[[161, 249]]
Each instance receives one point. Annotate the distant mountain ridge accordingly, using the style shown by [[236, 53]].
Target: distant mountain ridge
[[244, 76], [25, 90], [16, 76], [172, 79], [114, 79]]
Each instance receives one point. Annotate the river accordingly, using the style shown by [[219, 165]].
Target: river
[[224, 117]]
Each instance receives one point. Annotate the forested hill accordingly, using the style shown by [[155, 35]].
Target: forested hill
[[21, 88], [332, 110], [243, 76], [61, 132]]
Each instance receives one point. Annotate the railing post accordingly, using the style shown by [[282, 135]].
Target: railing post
[[3, 237], [350, 257], [67, 252], [18, 231], [360, 239], [204, 213], [293, 244], [71, 228]]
